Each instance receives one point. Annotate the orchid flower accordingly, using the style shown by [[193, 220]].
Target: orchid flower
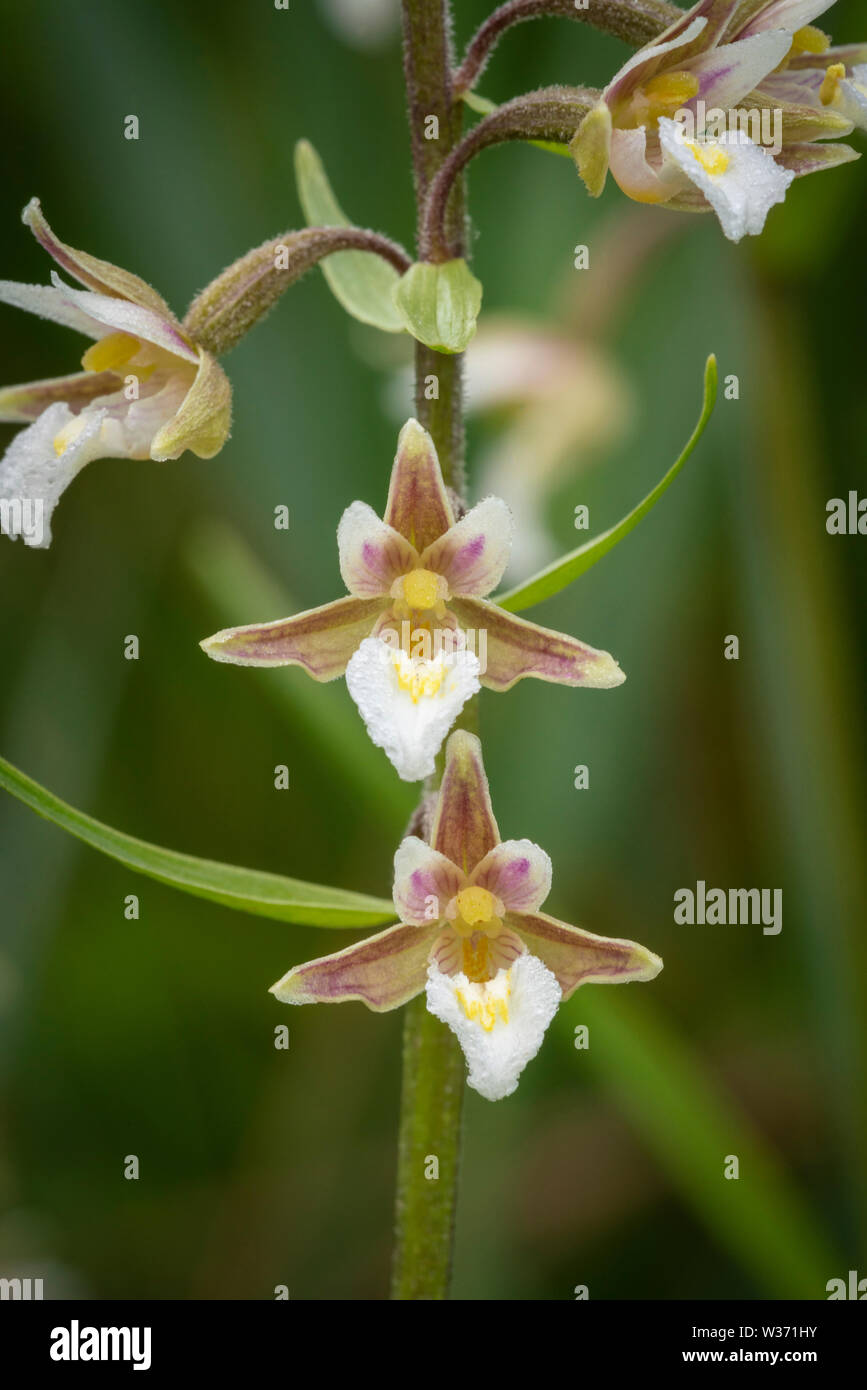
[[147, 389], [495, 968], [416, 634], [685, 121]]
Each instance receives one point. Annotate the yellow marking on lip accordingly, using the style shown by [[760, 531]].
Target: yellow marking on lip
[[712, 158], [486, 1008], [419, 681]]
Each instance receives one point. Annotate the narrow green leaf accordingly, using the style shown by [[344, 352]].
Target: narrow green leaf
[[556, 576], [363, 282], [248, 890], [439, 304]]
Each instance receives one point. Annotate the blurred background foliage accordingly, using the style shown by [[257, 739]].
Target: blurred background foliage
[[156, 1037]]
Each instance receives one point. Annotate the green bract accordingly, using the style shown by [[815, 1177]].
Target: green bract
[[439, 304], [363, 283]]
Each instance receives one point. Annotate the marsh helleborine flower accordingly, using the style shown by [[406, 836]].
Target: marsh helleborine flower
[[416, 635], [471, 933], [147, 389], [738, 59]]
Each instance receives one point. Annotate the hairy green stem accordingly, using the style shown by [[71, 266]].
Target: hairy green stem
[[433, 1066], [428, 1155], [435, 120]]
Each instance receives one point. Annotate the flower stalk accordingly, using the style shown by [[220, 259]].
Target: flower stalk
[[636, 21], [432, 1087], [547, 114]]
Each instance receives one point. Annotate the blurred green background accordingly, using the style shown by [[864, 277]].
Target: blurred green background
[[156, 1037]]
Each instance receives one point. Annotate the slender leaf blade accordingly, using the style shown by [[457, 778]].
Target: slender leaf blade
[[247, 890], [561, 573], [362, 282]]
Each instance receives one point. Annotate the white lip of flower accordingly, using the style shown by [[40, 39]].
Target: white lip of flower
[[500, 1022], [741, 180], [408, 704]]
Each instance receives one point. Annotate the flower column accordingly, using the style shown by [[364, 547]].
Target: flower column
[[433, 1066]]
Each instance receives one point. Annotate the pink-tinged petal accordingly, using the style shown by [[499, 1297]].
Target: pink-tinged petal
[[447, 952], [728, 73], [473, 555], [425, 882], [383, 971], [786, 14], [810, 159], [21, 404], [50, 303], [580, 958], [505, 949], [649, 60], [518, 872], [464, 827], [321, 640], [124, 316], [372, 553], [418, 505], [98, 275], [204, 418], [513, 648]]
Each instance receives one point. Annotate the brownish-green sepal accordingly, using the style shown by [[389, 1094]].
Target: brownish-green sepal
[[464, 827], [21, 404], [590, 148], [96, 274]]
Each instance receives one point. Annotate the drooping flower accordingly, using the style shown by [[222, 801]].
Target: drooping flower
[[495, 967], [416, 634], [723, 111], [147, 389]]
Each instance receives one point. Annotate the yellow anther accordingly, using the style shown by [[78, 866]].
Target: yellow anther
[[422, 589], [115, 350], [809, 40], [712, 158], [831, 81], [476, 905]]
